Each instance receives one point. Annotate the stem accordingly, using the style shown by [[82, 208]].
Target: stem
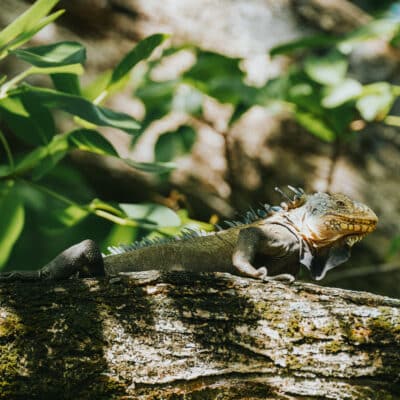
[[114, 218], [99, 213], [99, 99], [13, 82], [6, 146]]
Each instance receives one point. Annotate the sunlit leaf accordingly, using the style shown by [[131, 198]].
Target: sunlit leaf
[[154, 213], [327, 70], [347, 90], [315, 125], [187, 99], [140, 52], [379, 28], [98, 85], [97, 204], [120, 235], [11, 221], [154, 168], [92, 141], [65, 217], [27, 35], [171, 145], [27, 21], [53, 55], [377, 101], [316, 41], [76, 69], [84, 109]]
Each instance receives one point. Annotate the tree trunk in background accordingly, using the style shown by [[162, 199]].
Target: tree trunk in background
[[192, 336]]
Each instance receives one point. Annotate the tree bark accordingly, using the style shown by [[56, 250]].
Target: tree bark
[[196, 336]]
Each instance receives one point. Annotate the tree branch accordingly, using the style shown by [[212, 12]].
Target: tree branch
[[180, 335]]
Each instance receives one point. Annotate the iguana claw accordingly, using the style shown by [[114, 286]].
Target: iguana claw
[[281, 277], [263, 275]]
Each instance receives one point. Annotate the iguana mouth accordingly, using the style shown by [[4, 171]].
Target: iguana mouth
[[353, 239], [351, 226]]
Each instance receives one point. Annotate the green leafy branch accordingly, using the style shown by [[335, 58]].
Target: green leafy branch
[[27, 112], [324, 98]]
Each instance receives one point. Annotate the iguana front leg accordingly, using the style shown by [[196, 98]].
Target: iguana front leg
[[83, 259], [245, 251]]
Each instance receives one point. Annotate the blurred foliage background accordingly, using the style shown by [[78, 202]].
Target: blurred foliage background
[[114, 131]]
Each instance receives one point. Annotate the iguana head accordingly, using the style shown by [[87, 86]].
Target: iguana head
[[330, 224], [330, 217]]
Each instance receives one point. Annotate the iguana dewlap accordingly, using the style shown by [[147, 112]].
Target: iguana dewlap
[[315, 230]]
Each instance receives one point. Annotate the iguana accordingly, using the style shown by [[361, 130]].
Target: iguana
[[315, 230]]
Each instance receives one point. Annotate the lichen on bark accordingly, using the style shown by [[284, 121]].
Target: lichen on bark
[[183, 335]]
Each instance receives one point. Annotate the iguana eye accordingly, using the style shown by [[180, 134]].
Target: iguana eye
[[340, 203]]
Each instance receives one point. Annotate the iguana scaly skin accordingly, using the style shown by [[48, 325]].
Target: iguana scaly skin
[[315, 230]]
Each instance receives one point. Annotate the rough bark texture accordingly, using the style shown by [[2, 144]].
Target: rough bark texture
[[189, 336], [230, 169]]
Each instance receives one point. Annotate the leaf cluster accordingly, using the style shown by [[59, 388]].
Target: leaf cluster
[[27, 112], [320, 89]]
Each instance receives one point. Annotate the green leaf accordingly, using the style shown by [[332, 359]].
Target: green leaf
[[311, 42], [394, 246], [315, 125], [11, 221], [347, 90], [65, 217], [220, 77], [84, 109], [53, 55], [97, 86], [239, 110], [97, 204], [154, 168], [92, 141], [28, 119], [340, 118], [27, 21], [41, 160], [171, 145], [68, 83], [118, 235], [210, 65], [377, 101], [140, 52], [274, 90], [187, 99], [328, 70], [154, 213], [157, 98], [76, 69], [379, 28], [25, 36]]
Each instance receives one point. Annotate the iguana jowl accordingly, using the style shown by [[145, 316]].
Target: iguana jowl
[[315, 230]]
